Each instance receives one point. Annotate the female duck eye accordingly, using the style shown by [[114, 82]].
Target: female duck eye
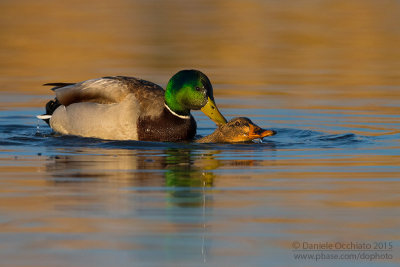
[[237, 123]]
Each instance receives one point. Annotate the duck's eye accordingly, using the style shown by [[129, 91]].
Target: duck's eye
[[237, 123], [198, 88]]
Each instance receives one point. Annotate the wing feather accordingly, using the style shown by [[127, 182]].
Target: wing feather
[[106, 90]]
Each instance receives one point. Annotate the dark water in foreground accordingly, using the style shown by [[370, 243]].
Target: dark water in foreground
[[68, 200]]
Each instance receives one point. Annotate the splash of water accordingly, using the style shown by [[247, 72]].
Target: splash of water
[[37, 128], [258, 141]]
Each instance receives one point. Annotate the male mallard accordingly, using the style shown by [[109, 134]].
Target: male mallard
[[237, 130], [127, 108]]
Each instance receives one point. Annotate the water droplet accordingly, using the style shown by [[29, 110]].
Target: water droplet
[[37, 128]]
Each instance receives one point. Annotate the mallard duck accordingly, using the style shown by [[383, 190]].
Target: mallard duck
[[235, 131], [127, 108]]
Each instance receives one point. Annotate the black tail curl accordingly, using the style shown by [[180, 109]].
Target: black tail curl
[[51, 106]]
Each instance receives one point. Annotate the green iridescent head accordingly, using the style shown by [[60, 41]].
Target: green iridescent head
[[191, 89]]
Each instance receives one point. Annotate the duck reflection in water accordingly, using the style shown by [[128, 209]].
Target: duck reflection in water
[[167, 187], [187, 181], [187, 168]]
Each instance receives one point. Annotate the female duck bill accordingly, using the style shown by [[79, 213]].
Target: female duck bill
[[257, 132]]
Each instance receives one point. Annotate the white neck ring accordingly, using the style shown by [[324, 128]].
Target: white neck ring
[[175, 114]]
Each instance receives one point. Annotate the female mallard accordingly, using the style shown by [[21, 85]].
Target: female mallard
[[127, 108], [237, 130]]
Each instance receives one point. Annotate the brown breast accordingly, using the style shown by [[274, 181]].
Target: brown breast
[[166, 128]]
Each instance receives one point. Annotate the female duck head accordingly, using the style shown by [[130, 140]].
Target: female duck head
[[237, 130], [191, 89]]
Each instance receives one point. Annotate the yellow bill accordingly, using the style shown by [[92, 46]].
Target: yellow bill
[[211, 110]]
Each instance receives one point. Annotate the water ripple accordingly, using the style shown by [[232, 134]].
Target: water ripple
[[29, 135]]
